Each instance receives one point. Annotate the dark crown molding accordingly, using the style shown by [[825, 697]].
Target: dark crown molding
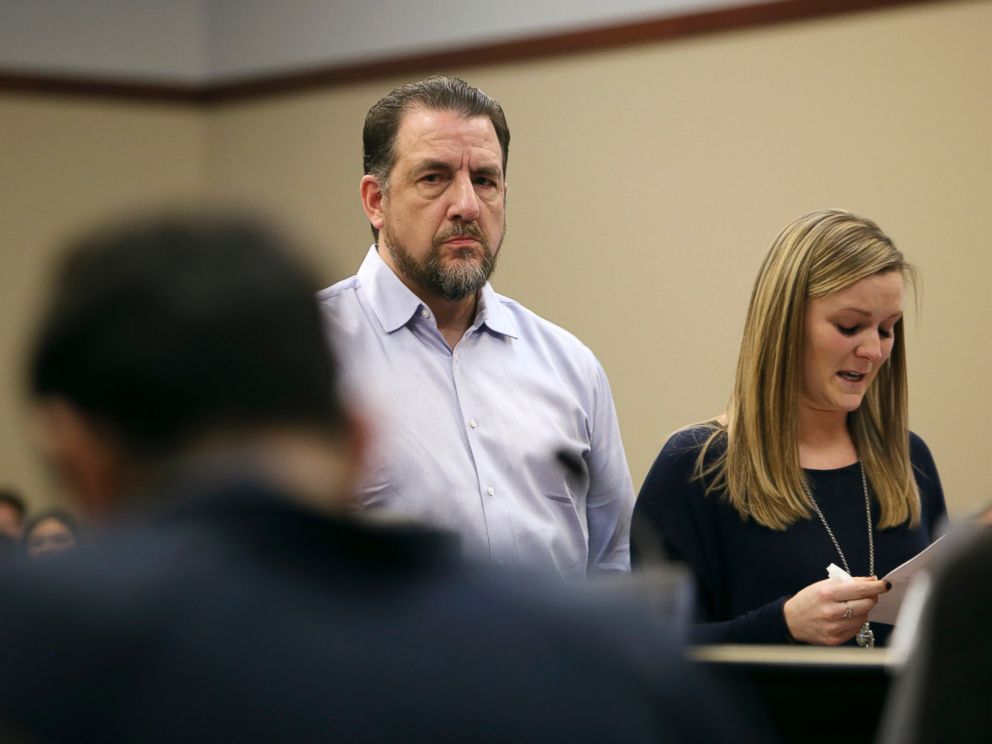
[[600, 38]]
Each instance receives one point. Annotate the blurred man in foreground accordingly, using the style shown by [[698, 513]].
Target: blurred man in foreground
[[184, 387]]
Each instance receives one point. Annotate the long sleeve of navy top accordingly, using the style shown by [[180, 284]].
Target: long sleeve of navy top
[[744, 572]]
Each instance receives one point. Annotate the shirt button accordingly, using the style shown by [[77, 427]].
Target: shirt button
[[473, 423], [491, 491], [424, 313]]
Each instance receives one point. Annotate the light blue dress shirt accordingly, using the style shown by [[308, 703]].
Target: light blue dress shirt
[[468, 439]]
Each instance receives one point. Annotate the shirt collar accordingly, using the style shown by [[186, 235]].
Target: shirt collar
[[394, 304], [493, 313], [391, 300]]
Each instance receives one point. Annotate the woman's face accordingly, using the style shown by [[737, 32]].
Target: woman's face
[[849, 335], [49, 536]]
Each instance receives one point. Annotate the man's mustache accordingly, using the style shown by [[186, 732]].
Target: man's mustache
[[467, 229]]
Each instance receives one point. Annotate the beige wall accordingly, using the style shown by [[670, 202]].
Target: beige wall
[[63, 165], [647, 183]]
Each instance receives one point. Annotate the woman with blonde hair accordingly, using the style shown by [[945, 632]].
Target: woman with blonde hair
[[813, 462]]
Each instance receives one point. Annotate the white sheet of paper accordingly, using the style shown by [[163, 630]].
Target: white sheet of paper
[[903, 638], [887, 609]]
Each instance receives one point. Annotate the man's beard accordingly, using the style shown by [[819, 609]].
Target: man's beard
[[454, 279]]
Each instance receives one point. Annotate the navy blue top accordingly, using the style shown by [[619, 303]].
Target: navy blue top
[[745, 572]]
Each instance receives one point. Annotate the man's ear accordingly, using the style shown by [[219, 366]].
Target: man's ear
[[87, 459], [372, 195]]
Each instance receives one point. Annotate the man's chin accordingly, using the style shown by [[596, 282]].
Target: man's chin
[[458, 287], [462, 252]]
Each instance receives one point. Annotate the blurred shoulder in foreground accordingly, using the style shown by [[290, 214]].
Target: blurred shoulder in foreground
[[943, 692]]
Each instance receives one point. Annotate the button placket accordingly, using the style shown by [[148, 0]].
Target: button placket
[[496, 517]]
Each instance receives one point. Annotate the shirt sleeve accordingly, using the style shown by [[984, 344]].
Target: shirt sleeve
[[610, 499], [675, 517]]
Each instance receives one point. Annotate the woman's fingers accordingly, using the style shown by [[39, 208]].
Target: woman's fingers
[[831, 612], [856, 608], [859, 589], [840, 591]]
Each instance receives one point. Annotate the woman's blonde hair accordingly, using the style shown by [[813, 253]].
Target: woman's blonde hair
[[758, 470]]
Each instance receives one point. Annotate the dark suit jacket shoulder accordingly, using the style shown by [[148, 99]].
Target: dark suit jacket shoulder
[[240, 616]]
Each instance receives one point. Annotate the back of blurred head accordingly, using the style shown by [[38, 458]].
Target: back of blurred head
[[172, 335]]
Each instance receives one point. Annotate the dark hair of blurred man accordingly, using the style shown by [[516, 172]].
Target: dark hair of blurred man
[[178, 338], [181, 374]]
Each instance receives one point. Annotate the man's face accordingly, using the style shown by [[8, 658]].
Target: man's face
[[81, 454], [442, 217], [49, 536], [10, 521]]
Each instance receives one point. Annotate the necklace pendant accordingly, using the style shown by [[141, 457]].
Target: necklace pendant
[[866, 637]]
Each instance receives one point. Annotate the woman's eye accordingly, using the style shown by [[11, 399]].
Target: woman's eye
[[852, 330]]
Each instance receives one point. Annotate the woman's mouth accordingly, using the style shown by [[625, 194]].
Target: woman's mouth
[[851, 376]]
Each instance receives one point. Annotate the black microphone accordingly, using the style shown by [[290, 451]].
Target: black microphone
[[571, 462]]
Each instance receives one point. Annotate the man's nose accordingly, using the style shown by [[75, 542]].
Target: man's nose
[[464, 205]]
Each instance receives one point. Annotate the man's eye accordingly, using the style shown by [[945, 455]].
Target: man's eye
[[431, 178], [487, 182]]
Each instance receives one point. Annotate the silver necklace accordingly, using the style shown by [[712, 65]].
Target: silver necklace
[[865, 637]]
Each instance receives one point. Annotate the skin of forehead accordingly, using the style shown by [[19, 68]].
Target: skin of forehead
[[850, 298], [48, 528], [433, 135]]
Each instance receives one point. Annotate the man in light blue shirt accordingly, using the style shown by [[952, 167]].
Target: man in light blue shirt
[[493, 422]]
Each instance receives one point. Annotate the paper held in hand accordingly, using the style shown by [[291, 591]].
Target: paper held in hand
[[887, 609]]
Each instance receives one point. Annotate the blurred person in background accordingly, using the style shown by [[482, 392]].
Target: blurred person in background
[[49, 533], [184, 387]]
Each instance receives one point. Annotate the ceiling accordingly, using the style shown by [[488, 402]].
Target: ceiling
[[199, 42]]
